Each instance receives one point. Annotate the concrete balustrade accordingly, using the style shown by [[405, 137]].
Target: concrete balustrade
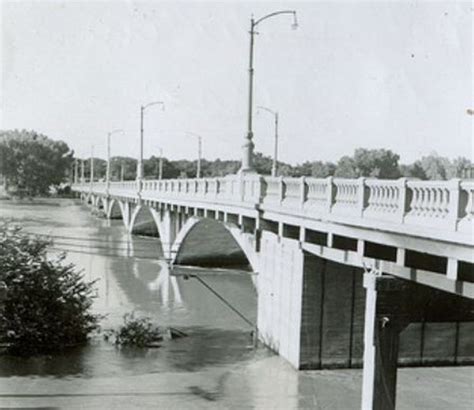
[[423, 207]]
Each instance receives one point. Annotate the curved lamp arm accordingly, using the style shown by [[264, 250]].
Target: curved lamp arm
[[276, 13], [154, 103], [260, 107]]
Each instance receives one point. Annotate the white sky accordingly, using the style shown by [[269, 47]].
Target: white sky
[[395, 74]]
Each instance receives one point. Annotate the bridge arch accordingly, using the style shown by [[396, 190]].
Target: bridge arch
[[221, 232], [145, 220], [89, 199], [116, 210], [102, 204]]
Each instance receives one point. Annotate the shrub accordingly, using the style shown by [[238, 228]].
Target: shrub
[[137, 332], [47, 305]]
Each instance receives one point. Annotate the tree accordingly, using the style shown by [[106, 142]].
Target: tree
[[378, 163], [346, 168], [321, 169], [47, 304], [460, 167], [414, 170], [129, 168], [100, 166], [31, 163], [435, 167], [263, 163]]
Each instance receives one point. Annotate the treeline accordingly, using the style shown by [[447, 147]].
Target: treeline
[[32, 164], [376, 163]]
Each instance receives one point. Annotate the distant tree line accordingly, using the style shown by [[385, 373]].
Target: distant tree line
[[375, 163], [31, 163]]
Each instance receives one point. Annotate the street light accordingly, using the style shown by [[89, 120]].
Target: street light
[[76, 170], [140, 160], [199, 138], [275, 148], [247, 158], [160, 165], [83, 178], [92, 168], [107, 171]]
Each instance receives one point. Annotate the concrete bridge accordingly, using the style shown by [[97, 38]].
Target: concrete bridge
[[348, 271]]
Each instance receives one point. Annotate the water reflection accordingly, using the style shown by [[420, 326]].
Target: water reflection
[[162, 284], [130, 275]]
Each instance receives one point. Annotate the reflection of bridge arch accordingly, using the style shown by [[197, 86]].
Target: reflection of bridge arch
[[221, 232], [145, 219]]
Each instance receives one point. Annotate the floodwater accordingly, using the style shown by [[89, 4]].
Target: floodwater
[[215, 366]]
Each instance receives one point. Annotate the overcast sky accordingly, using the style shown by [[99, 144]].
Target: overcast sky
[[394, 75]]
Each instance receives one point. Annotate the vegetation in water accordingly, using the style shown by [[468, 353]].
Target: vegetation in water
[[47, 305], [136, 332]]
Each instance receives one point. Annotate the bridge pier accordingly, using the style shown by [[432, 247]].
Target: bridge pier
[[381, 343], [170, 227], [391, 305]]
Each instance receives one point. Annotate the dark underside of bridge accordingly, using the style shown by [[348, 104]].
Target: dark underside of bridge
[[333, 320], [209, 244]]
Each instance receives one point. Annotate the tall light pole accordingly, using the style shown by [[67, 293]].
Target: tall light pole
[[275, 147], [160, 165], [107, 170], [76, 170], [140, 159], [83, 179], [247, 157], [198, 165], [92, 168]]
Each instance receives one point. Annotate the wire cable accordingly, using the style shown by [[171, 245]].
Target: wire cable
[[224, 301], [52, 248]]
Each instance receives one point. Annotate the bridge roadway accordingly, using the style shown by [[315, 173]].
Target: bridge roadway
[[413, 239]]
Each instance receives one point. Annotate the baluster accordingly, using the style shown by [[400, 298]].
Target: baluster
[[470, 204], [454, 201]]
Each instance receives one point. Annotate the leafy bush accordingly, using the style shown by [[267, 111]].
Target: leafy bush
[[137, 332], [47, 305]]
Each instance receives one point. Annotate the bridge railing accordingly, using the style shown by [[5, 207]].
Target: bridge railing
[[444, 204], [448, 205]]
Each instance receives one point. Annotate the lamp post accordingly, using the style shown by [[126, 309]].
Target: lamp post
[[76, 170], [198, 165], [107, 170], [83, 179], [275, 147], [160, 165], [140, 159], [92, 168], [247, 158]]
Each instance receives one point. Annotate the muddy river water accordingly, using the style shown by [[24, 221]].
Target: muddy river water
[[215, 366]]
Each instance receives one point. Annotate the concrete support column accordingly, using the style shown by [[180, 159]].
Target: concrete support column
[[127, 215], [381, 343], [169, 231]]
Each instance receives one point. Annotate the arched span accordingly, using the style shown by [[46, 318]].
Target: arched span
[[209, 242], [102, 203], [145, 221], [115, 210]]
